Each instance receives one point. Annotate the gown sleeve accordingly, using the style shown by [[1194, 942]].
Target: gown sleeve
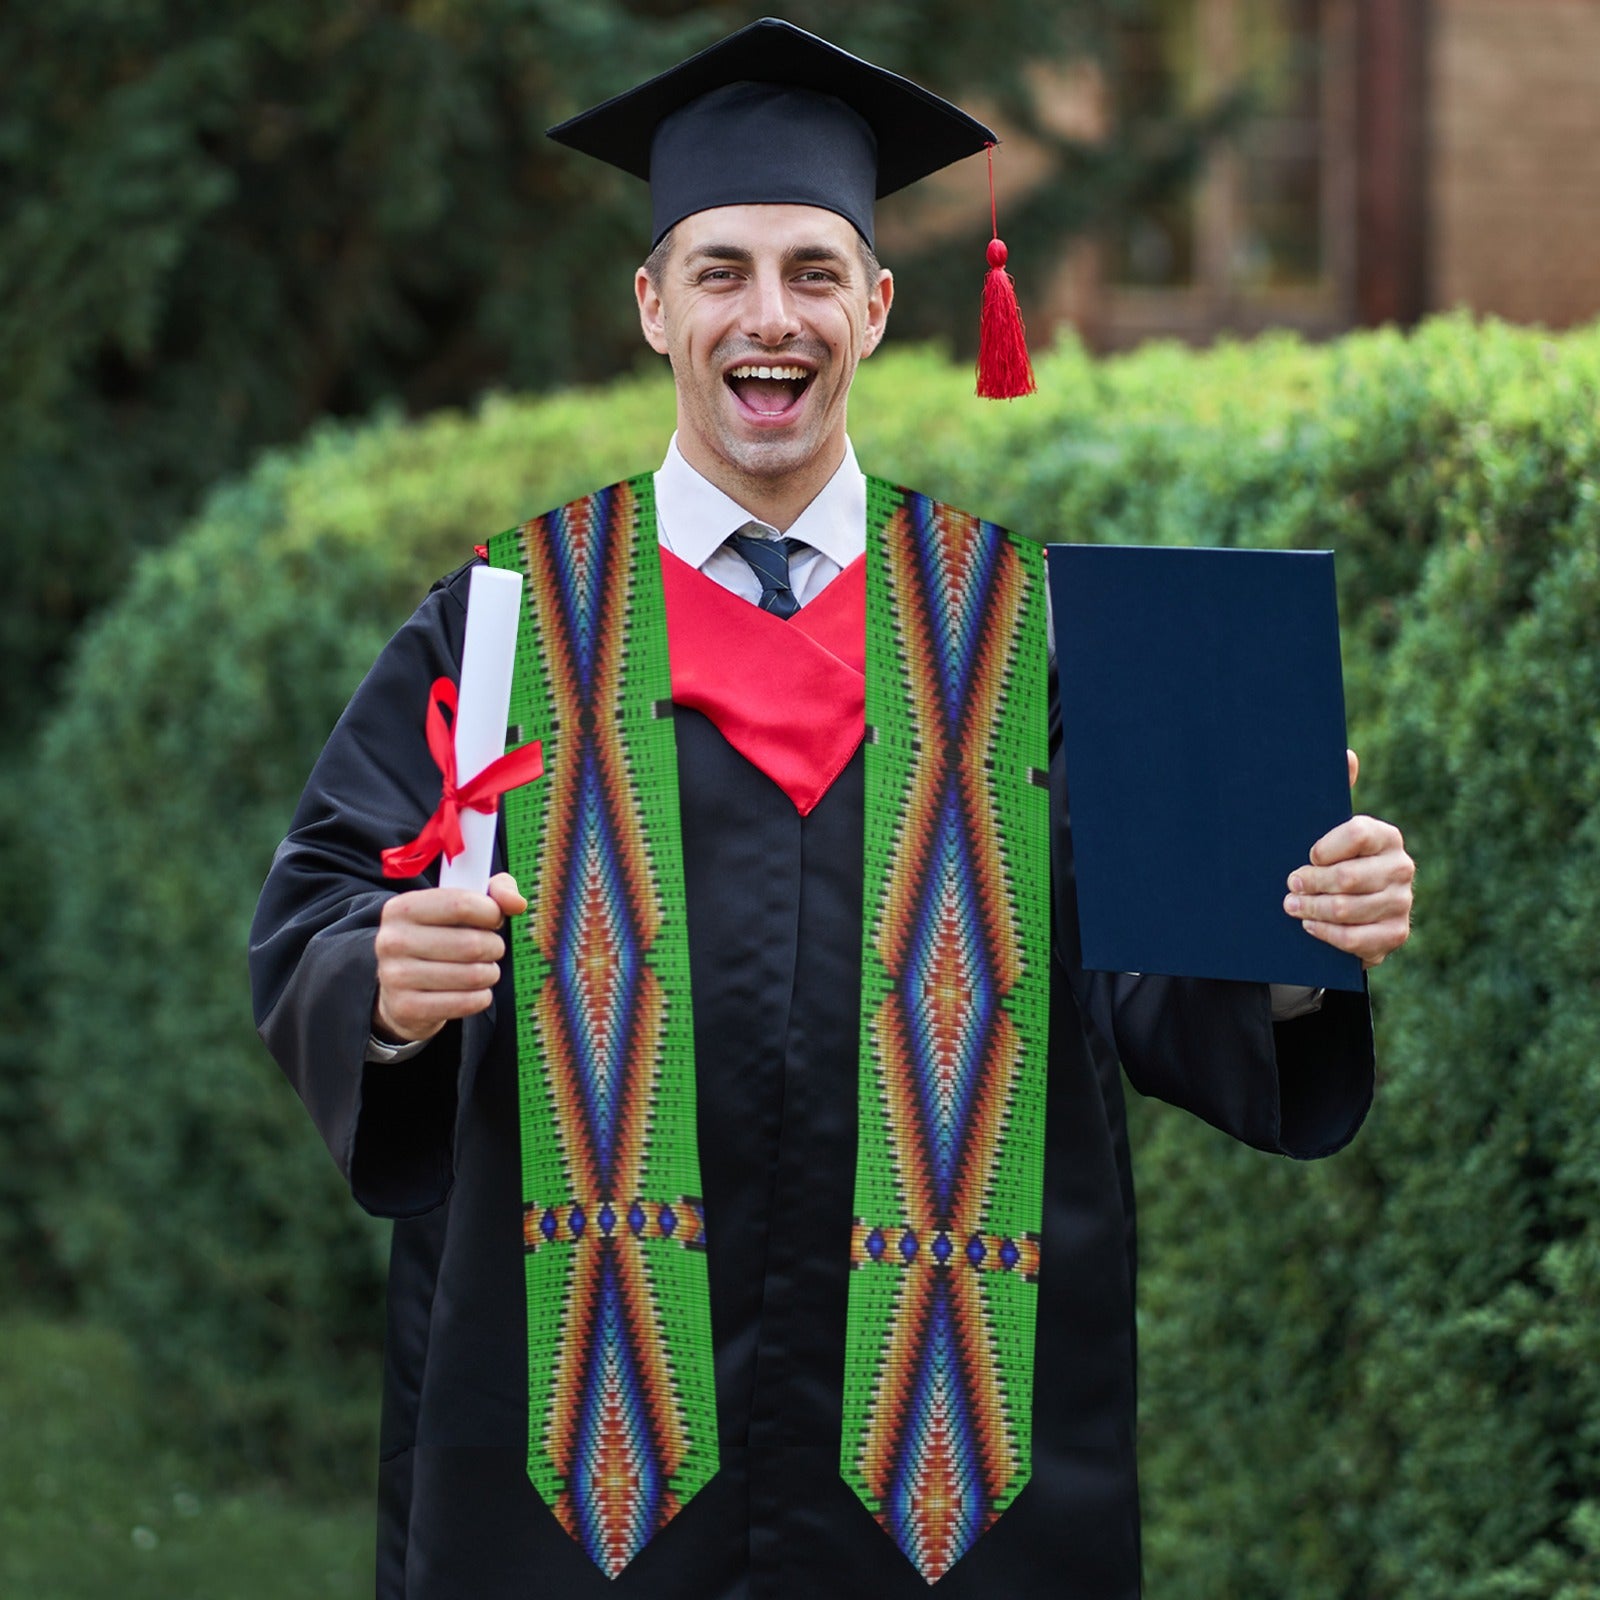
[[313, 964], [1300, 1088]]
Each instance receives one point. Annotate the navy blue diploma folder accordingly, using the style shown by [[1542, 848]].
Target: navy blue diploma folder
[[1202, 709]]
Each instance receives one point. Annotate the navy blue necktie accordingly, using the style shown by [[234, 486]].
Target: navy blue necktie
[[769, 560]]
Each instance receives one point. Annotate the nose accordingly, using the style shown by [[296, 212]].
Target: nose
[[771, 317]]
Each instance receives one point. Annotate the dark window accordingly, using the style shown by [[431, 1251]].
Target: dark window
[[1264, 234]]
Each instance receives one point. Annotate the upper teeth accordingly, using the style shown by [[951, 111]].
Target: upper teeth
[[768, 372]]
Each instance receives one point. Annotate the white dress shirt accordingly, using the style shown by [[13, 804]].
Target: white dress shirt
[[694, 518]]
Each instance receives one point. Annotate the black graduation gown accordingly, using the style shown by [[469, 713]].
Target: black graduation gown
[[774, 906]]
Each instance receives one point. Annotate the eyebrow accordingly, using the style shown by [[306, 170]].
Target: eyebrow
[[795, 255]]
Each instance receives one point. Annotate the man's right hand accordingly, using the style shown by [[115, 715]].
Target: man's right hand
[[438, 957]]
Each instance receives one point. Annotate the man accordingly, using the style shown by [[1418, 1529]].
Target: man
[[741, 1251]]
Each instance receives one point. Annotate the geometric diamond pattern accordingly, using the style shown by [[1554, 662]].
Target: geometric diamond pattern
[[947, 993], [597, 967], [944, 1251], [622, 1406]]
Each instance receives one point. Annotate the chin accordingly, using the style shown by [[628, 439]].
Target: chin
[[771, 458]]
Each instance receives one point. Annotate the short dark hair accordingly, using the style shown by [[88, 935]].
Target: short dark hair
[[656, 262]]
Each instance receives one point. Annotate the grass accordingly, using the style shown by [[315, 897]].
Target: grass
[[92, 1504]]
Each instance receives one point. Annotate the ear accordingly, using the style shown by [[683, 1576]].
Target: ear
[[652, 315], [879, 299]]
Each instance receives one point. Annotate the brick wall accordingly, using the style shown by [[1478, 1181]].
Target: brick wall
[[1515, 158]]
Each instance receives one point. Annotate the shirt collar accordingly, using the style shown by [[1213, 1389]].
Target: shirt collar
[[694, 517]]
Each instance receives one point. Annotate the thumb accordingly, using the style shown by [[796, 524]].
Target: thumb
[[1354, 762], [505, 894]]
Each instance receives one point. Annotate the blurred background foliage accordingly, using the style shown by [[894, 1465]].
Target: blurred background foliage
[[258, 266]]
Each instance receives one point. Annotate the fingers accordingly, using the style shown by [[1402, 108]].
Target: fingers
[[408, 1015], [1360, 836], [455, 908], [438, 957], [1353, 761], [1356, 877], [459, 960], [1373, 905], [1372, 941], [1356, 892]]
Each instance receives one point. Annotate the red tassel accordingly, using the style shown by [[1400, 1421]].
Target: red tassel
[[1004, 370]]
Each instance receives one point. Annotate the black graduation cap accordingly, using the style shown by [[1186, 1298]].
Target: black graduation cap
[[774, 115]]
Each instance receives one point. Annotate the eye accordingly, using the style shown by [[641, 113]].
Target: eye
[[718, 275]]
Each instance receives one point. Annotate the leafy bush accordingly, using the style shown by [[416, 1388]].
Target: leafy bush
[[1376, 1377], [1370, 1378]]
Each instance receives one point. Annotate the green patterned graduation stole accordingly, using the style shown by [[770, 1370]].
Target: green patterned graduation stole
[[945, 1249], [622, 1424], [938, 1400]]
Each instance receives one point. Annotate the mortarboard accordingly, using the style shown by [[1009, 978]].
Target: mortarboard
[[774, 115]]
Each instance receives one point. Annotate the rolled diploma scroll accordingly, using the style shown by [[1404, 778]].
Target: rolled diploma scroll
[[494, 601]]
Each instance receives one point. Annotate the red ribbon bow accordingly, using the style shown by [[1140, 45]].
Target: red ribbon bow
[[442, 832]]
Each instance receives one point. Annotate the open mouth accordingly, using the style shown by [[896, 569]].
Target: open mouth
[[769, 391]]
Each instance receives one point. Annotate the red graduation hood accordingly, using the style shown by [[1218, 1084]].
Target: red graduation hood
[[789, 696]]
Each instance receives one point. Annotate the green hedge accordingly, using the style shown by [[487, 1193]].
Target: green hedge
[[1377, 1377], [1370, 1378]]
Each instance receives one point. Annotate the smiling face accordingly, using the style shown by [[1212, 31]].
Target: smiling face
[[764, 311]]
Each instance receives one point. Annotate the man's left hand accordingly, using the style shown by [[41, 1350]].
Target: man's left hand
[[1355, 893]]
